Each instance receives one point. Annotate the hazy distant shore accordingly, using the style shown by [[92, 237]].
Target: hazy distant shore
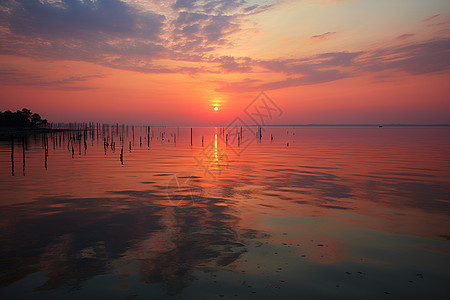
[[8, 131], [354, 125]]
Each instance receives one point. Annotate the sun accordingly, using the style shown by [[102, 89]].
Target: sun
[[216, 108]]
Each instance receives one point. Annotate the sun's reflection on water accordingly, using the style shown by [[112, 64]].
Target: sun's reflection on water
[[332, 201]]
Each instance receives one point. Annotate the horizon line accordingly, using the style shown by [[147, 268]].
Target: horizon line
[[262, 125]]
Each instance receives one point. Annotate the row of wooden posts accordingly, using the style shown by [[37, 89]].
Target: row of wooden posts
[[77, 135]]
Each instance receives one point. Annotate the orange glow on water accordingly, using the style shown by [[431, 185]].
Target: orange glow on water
[[331, 199]]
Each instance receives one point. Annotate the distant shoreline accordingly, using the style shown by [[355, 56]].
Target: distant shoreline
[[356, 125], [305, 125], [8, 131]]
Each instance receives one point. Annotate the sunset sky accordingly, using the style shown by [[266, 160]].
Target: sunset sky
[[171, 62]]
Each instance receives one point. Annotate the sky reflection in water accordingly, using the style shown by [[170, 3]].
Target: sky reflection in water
[[314, 213]]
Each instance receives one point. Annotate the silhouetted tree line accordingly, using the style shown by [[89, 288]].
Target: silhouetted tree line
[[21, 118]]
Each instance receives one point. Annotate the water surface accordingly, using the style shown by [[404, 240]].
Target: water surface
[[139, 212]]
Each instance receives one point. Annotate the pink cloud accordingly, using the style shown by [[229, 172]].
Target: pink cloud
[[431, 18], [322, 37], [404, 36], [439, 24], [416, 59]]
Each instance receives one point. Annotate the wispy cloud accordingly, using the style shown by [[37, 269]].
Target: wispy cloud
[[431, 18], [404, 36], [21, 78], [440, 24], [323, 36], [317, 69], [310, 77], [415, 59]]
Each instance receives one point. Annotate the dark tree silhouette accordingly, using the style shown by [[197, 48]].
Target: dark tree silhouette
[[21, 118]]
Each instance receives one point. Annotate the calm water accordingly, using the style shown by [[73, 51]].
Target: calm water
[[315, 213]]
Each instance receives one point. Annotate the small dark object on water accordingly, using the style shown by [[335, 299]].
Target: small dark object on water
[[381, 126], [387, 293], [348, 273], [319, 245], [287, 145]]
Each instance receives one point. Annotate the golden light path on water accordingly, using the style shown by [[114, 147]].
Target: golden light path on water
[[348, 212]]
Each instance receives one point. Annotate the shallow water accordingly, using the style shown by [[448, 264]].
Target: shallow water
[[315, 213]]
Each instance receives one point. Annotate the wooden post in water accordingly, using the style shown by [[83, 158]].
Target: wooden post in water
[[23, 155], [45, 151], [191, 136], [12, 155], [85, 143]]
